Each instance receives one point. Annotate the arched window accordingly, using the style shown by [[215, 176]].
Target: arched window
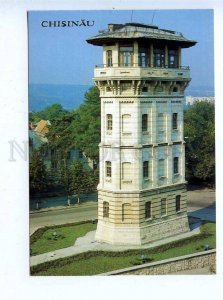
[[126, 123], [105, 209]]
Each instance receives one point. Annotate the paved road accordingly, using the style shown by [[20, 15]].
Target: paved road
[[200, 198], [201, 203], [62, 216]]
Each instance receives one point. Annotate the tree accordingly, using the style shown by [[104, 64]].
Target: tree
[[82, 180], [61, 135], [49, 113], [200, 143], [38, 174], [66, 180], [78, 129], [87, 125]]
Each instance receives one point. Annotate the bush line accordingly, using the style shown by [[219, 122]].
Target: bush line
[[86, 255]]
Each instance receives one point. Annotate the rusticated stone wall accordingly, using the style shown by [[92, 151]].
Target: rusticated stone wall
[[188, 262]]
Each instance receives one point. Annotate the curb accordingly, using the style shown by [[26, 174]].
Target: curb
[[43, 210]]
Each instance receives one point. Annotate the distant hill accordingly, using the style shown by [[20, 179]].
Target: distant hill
[[199, 91], [71, 96], [43, 95]]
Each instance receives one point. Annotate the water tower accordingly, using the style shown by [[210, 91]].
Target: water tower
[[142, 190]]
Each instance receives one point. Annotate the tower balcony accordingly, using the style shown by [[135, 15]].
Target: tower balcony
[[137, 72]]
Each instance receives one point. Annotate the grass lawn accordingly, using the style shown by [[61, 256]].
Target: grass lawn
[[91, 263], [44, 241]]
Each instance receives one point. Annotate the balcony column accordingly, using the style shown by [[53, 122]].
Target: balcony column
[[151, 55], [115, 55], [166, 56], [179, 56], [136, 52]]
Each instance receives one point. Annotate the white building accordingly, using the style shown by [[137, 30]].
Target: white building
[[190, 100], [142, 191]]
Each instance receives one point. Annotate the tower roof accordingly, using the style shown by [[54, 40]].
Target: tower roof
[[139, 31]]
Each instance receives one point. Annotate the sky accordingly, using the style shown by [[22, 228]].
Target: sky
[[61, 55]]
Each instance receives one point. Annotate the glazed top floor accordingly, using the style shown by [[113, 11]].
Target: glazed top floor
[[140, 45]]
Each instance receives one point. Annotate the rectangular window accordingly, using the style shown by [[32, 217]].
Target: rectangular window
[[109, 58], [159, 58], [174, 121], [178, 203], [54, 164], [105, 209], [145, 122], [176, 165], [109, 121], [126, 56], [163, 207], [145, 169], [148, 210], [108, 167], [143, 57], [173, 59]]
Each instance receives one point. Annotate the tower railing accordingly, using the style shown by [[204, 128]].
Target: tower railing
[[131, 65]]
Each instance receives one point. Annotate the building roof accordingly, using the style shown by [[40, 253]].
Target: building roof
[[139, 31], [42, 127]]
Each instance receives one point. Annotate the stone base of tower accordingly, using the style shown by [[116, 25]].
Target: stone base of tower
[[118, 235], [122, 217]]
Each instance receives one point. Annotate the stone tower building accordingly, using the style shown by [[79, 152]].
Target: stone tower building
[[142, 192]]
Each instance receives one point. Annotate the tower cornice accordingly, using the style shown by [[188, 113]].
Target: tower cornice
[[140, 32]]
